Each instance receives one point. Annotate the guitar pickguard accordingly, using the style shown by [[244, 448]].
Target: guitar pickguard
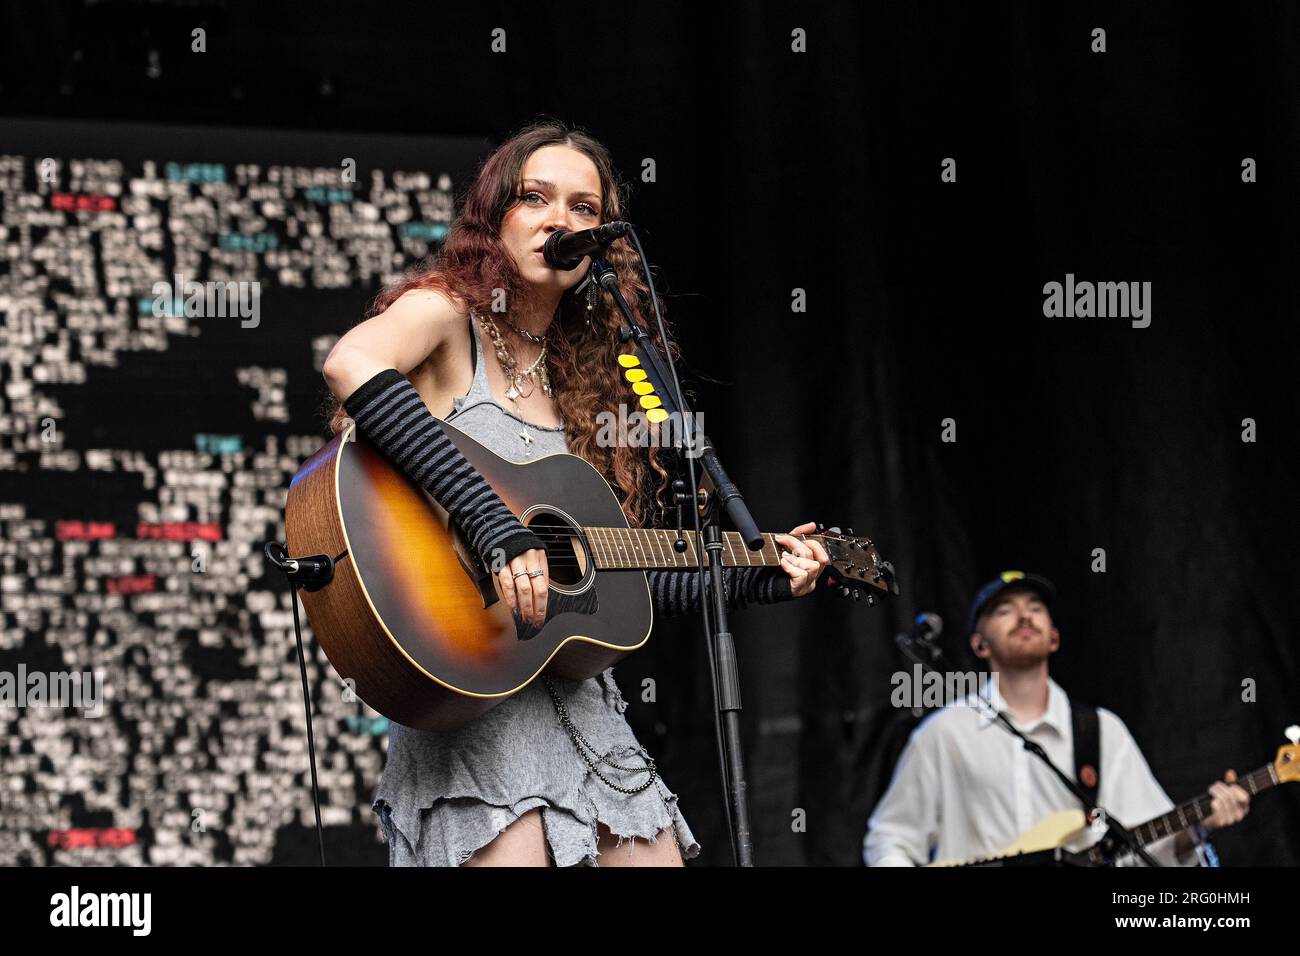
[[557, 603]]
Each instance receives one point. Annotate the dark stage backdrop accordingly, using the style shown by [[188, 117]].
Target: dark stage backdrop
[[920, 173]]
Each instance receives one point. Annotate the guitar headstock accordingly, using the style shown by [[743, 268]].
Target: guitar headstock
[[1287, 764], [855, 565]]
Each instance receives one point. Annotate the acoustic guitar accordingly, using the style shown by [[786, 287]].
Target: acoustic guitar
[[415, 624], [1069, 826]]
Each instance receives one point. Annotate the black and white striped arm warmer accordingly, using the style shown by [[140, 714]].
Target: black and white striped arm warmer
[[678, 592], [390, 413]]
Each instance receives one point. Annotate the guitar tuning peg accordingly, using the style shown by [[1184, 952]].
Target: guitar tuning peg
[[820, 527], [871, 600], [835, 530], [850, 531], [857, 595], [845, 591], [1293, 733]]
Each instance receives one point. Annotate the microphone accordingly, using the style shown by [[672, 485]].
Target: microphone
[[565, 250], [310, 573], [920, 642], [927, 627]]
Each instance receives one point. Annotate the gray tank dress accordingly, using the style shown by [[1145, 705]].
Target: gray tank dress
[[442, 796]]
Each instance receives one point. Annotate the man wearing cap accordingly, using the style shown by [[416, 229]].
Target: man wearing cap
[[966, 789]]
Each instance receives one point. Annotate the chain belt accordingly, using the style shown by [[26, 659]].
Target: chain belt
[[582, 746]]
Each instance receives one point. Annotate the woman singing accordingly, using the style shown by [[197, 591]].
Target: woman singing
[[522, 358]]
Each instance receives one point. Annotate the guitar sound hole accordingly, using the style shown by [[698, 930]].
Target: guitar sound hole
[[566, 558]]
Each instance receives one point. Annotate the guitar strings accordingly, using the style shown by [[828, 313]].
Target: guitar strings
[[570, 529], [564, 530], [556, 534], [562, 534]]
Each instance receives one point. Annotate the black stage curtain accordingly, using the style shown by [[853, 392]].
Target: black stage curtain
[[821, 171], [926, 303]]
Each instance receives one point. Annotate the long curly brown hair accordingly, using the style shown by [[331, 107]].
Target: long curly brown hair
[[583, 362]]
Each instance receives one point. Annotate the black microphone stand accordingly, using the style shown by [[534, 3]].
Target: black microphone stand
[[724, 670], [310, 574], [932, 658]]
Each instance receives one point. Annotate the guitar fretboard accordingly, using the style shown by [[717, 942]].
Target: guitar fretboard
[[1194, 811], [627, 548]]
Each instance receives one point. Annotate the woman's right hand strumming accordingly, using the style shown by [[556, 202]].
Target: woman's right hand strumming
[[526, 592]]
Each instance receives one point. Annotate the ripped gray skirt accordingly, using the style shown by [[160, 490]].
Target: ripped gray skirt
[[443, 796]]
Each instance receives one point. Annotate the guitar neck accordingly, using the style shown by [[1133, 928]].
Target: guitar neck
[[650, 548], [1194, 811]]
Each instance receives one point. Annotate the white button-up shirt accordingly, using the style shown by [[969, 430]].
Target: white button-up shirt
[[964, 788]]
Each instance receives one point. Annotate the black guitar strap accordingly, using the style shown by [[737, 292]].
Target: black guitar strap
[[1087, 747]]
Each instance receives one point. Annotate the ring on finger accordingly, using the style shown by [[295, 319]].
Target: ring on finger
[[536, 573], [520, 573]]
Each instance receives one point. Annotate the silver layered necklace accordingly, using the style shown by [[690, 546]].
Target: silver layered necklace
[[520, 382]]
